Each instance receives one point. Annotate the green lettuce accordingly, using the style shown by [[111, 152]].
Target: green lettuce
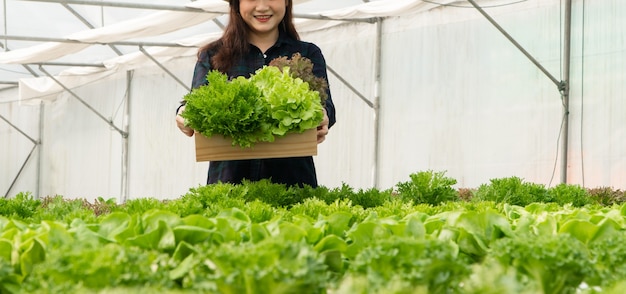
[[270, 103], [230, 108], [293, 106]]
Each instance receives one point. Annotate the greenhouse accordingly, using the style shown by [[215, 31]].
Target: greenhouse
[[479, 148], [480, 89]]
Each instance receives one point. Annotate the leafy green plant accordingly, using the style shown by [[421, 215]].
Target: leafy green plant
[[433, 264], [491, 277], [260, 237], [22, 206], [395, 207], [140, 205], [466, 194], [277, 195], [512, 190], [337, 193], [62, 209], [609, 256], [370, 198], [570, 194], [269, 103], [428, 187], [185, 206], [607, 196], [315, 208], [230, 108], [294, 107], [259, 211], [269, 266], [301, 67], [555, 263], [100, 267], [473, 231]]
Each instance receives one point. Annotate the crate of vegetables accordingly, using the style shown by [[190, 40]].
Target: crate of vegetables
[[273, 113]]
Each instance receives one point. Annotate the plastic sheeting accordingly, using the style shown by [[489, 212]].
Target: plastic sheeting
[[455, 96], [152, 25], [167, 21]]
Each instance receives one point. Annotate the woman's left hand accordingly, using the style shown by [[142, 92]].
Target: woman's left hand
[[322, 129]]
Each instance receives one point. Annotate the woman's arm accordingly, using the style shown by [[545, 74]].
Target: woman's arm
[[199, 78]]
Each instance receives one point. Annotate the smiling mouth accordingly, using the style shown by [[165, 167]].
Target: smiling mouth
[[263, 17]]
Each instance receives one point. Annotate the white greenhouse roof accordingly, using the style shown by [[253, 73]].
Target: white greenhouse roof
[[81, 40]]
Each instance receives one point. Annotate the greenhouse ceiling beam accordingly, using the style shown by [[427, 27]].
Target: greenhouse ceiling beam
[[30, 70], [89, 25], [62, 40], [127, 5], [76, 64], [187, 9]]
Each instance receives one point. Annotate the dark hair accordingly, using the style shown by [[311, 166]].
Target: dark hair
[[234, 43]]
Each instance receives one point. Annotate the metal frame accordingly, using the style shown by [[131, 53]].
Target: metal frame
[[563, 86]]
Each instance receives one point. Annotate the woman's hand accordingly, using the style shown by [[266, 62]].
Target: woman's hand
[[322, 129], [180, 122]]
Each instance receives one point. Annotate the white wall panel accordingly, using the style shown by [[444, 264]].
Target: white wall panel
[[81, 153], [347, 155], [162, 159]]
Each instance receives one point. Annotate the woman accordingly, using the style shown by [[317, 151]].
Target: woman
[[257, 32]]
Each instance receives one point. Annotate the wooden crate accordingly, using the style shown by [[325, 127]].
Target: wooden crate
[[220, 148]]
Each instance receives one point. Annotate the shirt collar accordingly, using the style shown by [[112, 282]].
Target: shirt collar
[[283, 38]]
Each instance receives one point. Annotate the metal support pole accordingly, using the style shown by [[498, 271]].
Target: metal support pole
[[566, 87], [125, 140], [42, 109], [377, 93]]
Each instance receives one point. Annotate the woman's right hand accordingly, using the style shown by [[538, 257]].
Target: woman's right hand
[[180, 122]]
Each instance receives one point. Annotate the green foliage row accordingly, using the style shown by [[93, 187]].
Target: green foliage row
[[258, 237], [423, 188], [535, 249]]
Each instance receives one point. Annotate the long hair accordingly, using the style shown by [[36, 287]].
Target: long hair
[[234, 42]]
